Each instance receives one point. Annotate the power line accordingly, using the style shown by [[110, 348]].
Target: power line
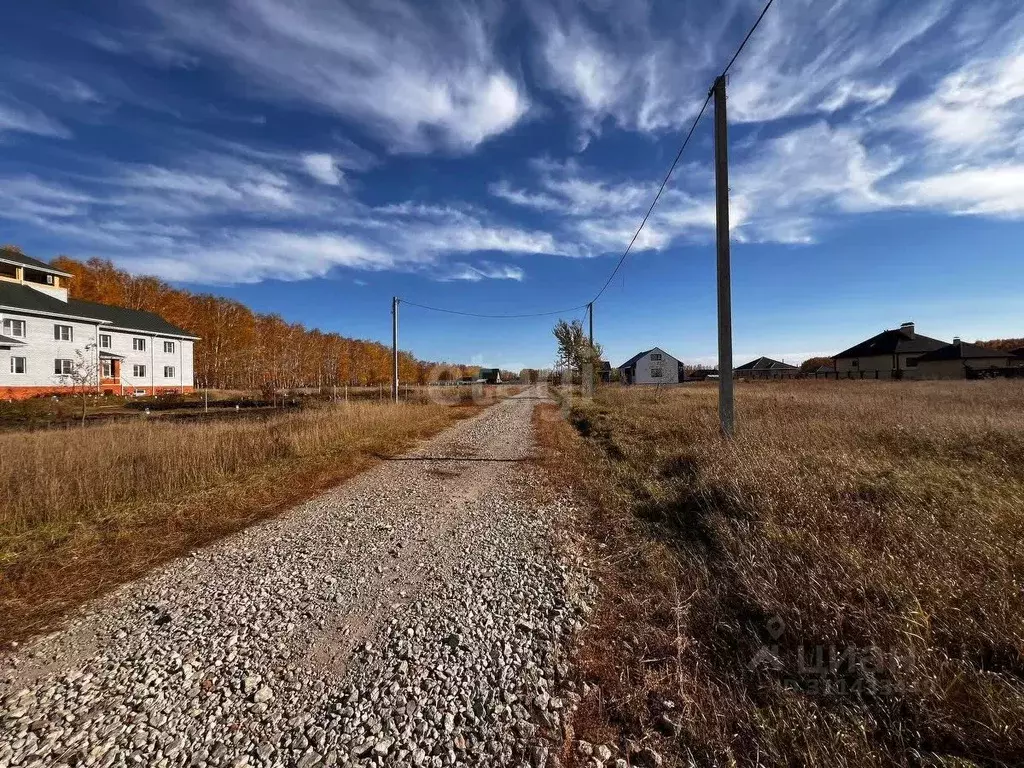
[[495, 317], [650, 210], [657, 197], [745, 39], [682, 148]]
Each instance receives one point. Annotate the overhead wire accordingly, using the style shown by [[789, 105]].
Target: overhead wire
[[497, 316], [647, 215]]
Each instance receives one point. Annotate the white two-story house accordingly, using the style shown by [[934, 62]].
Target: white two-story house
[[52, 344]]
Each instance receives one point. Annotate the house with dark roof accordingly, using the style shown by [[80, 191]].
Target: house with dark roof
[[960, 360], [766, 368], [56, 344], [490, 375], [891, 354], [652, 366]]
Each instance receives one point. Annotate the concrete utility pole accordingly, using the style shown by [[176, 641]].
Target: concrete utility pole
[[590, 314], [726, 410], [394, 348]]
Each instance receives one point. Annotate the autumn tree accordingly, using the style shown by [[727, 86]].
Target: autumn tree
[[238, 348], [814, 363], [574, 349]]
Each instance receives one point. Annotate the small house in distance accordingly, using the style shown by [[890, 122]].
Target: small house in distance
[[766, 368], [490, 375], [652, 366], [959, 360], [891, 354]]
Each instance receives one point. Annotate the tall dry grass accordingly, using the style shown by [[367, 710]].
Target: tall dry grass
[[85, 509], [841, 585]]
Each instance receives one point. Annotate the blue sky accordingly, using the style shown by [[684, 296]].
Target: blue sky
[[314, 158]]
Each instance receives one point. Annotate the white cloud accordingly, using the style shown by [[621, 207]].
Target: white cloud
[[322, 167], [250, 256], [419, 77], [992, 191], [978, 107], [25, 119], [648, 66], [483, 271]]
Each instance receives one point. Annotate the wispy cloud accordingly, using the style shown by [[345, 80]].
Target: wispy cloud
[[25, 119], [483, 271], [419, 77], [322, 167]]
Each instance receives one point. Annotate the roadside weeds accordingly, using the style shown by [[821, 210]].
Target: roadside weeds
[[87, 510]]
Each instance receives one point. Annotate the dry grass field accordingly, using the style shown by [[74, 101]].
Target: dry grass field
[[84, 509], [841, 585]]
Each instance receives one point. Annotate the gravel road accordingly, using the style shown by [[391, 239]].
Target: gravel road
[[417, 615]]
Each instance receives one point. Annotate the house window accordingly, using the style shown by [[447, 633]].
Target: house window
[[17, 365], [655, 373], [168, 371], [107, 369], [104, 341], [138, 371], [855, 363], [14, 328], [139, 345], [655, 356], [63, 367], [63, 333], [911, 362], [169, 347]]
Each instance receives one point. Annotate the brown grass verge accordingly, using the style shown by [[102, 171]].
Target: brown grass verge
[[85, 510], [838, 586]]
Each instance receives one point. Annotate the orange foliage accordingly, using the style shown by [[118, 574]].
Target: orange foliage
[[1003, 345], [240, 349]]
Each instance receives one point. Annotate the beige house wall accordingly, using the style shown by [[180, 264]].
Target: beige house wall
[[883, 364]]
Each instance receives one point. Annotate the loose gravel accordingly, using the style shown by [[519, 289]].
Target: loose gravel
[[418, 615]]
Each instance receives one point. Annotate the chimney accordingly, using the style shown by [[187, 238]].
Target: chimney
[[908, 328], [956, 340]]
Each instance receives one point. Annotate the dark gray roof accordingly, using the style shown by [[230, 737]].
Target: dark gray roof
[[638, 355], [7, 341], [963, 351], [29, 299], [27, 261], [766, 364], [892, 342]]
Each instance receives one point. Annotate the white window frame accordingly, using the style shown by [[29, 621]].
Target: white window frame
[[64, 370], [58, 332], [169, 347], [138, 344], [136, 368], [168, 368], [106, 368], [106, 337], [24, 365], [10, 323]]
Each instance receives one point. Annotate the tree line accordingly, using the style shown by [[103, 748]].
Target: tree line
[[242, 349]]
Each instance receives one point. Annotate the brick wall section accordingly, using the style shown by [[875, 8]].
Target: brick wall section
[[24, 393]]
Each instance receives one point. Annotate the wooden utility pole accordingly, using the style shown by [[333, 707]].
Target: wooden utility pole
[[726, 409], [394, 348]]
